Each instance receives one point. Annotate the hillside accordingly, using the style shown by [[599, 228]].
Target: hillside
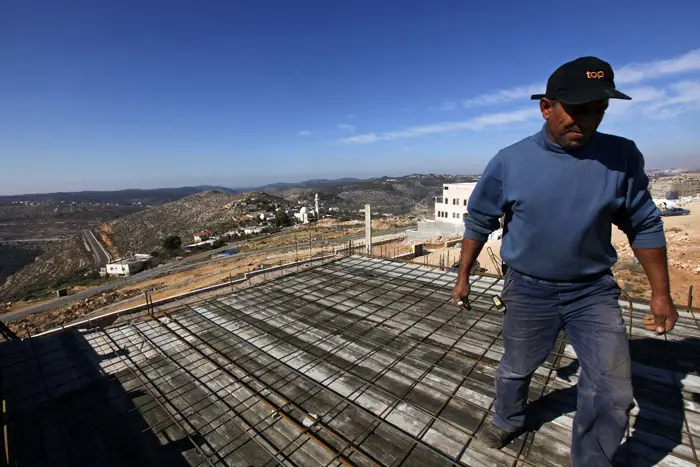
[[132, 196], [142, 232], [60, 259], [396, 195]]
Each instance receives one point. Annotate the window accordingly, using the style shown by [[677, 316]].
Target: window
[[455, 202], [465, 202], [447, 200]]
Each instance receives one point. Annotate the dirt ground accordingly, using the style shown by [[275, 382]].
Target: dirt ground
[[160, 287], [325, 229], [683, 245]]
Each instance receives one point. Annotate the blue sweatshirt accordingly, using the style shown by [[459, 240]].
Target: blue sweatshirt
[[559, 207]]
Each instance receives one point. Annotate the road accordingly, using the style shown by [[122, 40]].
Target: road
[[98, 251], [173, 267]]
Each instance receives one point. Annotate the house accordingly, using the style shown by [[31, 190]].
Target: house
[[451, 207], [201, 236], [252, 230], [128, 266], [206, 243]]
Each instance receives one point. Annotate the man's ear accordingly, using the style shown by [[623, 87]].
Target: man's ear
[[546, 107]]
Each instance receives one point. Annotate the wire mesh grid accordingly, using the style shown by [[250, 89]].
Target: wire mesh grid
[[356, 362]]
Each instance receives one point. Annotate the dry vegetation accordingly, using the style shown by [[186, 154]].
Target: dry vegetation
[[326, 229], [209, 210], [60, 259], [158, 288]]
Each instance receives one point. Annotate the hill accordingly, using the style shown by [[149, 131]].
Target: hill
[[59, 260], [212, 210], [131, 196], [396, 195]]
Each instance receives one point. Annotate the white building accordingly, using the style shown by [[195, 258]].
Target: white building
[[253, 230], [451, 207], [127, 266], [305, 215]]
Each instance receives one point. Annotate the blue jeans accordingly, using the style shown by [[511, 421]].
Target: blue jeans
[[589, 313]]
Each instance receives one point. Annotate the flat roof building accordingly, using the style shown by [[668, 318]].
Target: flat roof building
[[127, 266], [451, 207]]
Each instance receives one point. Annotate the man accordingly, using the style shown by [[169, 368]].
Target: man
[[561, 190]]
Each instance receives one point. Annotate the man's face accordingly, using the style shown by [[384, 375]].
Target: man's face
[[571, 126]]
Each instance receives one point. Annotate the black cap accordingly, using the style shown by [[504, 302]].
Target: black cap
[[583, 80]]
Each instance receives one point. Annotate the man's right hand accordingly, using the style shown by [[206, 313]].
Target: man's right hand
[[460, 291]]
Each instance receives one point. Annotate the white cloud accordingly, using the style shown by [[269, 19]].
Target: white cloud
[[686, 98], [473, 124], [631, 73], [649, 102], [624, 110], [304, 133], [346, 127], [635, 72], [351, 116], [446, 106], [504, 95], [655, 102]]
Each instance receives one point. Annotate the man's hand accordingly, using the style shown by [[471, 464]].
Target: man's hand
[[663, 315], [460, 290]]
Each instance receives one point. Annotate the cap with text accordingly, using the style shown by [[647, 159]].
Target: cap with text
[[580, 81]]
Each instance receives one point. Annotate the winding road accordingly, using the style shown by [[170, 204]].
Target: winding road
[[98, 251]]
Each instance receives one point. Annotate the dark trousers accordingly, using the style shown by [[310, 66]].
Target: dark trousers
[[589, 313]]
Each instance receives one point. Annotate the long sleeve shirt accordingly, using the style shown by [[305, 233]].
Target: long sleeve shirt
[[559, 207]]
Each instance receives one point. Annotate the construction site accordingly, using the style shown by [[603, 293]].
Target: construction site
[[331, 355], [342, 360]]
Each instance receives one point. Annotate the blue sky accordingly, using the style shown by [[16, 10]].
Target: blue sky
[[120, 94]]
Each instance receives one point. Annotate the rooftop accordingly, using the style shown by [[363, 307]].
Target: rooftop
[[359, 361]]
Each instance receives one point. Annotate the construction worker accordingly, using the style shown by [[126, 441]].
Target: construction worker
[[561, 190]]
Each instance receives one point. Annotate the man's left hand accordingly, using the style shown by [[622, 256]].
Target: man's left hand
[[663, 315]]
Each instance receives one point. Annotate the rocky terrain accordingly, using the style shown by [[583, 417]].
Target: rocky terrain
[[148, 197], [14, 257], [19, 223], [395, 195], [683, 246], [40, 322], [209, 210], [28, 232], [60, 259], [56, 219]]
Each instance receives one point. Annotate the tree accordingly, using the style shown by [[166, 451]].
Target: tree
[[172, 243], [281, 218]]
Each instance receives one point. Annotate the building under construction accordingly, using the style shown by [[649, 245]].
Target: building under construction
[[355, 361]]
